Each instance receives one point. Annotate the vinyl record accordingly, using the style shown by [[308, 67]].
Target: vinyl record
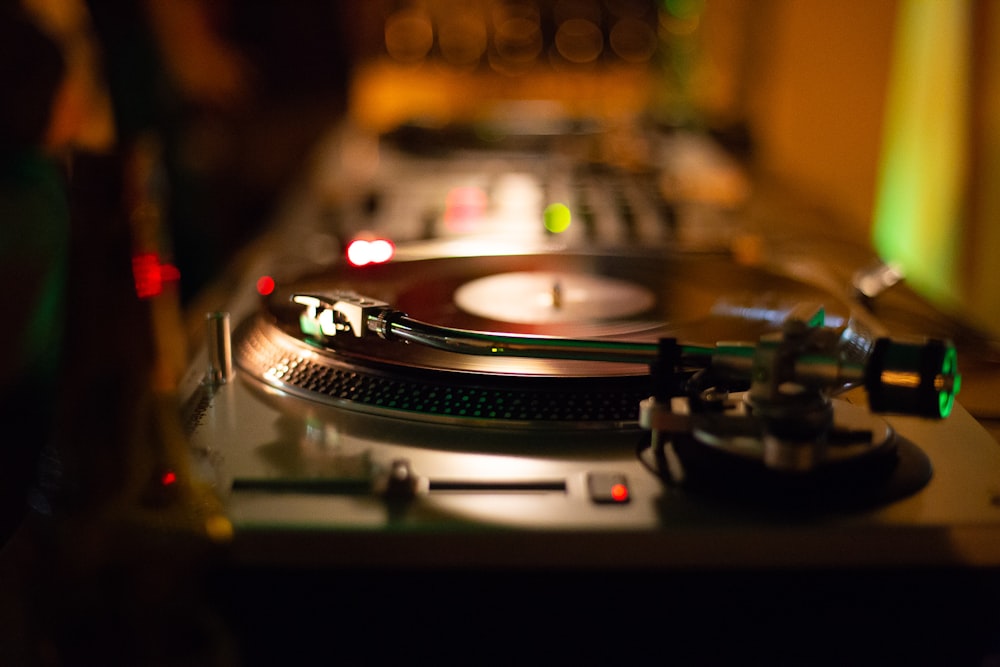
[[633, 296], [695, 298]]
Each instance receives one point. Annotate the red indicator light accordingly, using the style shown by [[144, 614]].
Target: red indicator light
[[607, 487], [146, 273], [149, 275], [363, 251], [619, 493], [265, 285], [169, 273], [168, 478]]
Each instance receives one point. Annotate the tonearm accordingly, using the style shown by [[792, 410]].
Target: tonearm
[[784, 418]]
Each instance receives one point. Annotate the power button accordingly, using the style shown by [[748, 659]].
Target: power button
[[607, 487]]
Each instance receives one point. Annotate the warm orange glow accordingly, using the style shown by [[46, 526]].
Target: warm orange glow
[[462, 39], [384, 95], [633, 41], [579, 41], [409, 35]]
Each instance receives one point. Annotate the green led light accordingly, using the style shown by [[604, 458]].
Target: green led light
[[949, 369], [946, 402], [557, 218]]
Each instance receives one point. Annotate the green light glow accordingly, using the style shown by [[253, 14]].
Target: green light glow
[[557, 218], [949, 368], [918, 208], [309, 326], [684, 9]]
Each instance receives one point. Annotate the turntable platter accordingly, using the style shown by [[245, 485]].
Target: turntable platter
[[622, 297]]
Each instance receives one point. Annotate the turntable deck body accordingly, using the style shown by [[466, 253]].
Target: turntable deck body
[[287, 478]]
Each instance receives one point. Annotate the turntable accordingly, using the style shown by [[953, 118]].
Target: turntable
[[576, 426], [641, 433], [584, 409]]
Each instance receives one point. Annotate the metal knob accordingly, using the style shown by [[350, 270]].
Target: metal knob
[[220, 353]]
